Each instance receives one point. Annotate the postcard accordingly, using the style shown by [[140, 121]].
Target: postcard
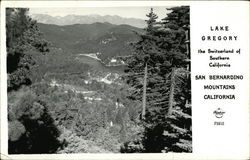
[[124, 80]]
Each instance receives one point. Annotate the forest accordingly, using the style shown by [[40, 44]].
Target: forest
[[60, 103]]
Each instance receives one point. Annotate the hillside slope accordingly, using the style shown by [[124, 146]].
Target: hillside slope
[[108, 39]]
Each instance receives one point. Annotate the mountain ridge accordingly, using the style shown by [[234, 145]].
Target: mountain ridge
[[87, 19]]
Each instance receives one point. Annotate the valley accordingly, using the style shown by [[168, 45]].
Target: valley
[[101, 85], [87, 99]]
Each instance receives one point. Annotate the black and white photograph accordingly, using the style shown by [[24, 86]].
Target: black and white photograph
[[98, 80], [124, 80]]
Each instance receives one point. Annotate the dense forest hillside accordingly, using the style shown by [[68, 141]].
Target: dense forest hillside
[[108, 39]]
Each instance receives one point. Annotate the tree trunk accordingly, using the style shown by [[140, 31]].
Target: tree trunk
[[144, 91], [171, 93]]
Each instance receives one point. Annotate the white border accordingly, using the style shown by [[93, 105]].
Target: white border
[[193, 5]]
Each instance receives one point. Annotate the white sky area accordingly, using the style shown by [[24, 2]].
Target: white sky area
[[127, 12]]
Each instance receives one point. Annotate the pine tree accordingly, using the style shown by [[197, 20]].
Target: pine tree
[[22, 36], [140, 64], [179, 113], [168, 119], [151, 22]]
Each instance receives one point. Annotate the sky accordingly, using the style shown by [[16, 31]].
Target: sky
[[127, 12]]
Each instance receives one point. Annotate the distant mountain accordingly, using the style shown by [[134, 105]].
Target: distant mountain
[[108, 39], [87, 19]]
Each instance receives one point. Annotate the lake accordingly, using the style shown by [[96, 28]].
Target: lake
[[98, 65]]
